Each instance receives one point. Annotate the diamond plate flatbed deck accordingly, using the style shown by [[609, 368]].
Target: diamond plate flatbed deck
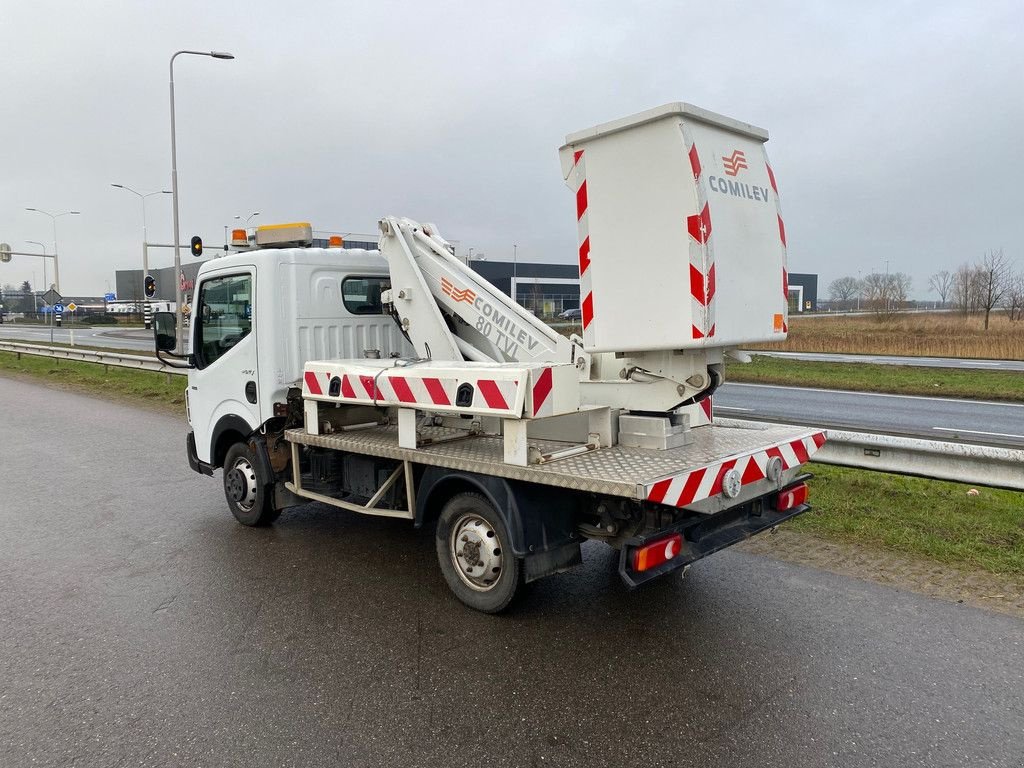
[[616, 471]]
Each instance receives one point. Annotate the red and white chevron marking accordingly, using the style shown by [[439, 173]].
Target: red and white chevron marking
[[782, 239], [404, 390], [696, 485], [702, 260], [394, 389], [543, 401], [579, 171]]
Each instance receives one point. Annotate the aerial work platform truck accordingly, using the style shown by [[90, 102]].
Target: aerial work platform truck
[[398, 382]]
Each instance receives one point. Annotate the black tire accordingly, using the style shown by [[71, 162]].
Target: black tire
[[248, 493], [487, 576]]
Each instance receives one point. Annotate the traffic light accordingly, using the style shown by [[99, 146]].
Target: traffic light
[[150, 287], [197, 246]]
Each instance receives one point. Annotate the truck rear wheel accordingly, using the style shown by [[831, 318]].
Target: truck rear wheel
[[474, 552], [248, 493]]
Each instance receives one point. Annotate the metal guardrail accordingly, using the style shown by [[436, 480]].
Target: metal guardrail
[[116, 359], [959, 462]]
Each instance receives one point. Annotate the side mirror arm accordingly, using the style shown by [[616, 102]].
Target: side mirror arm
[[172, 360]]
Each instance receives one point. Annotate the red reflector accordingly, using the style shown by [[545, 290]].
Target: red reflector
[[657, 552], [791, 497]]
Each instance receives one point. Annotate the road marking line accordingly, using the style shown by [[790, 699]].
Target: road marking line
[[875, 394], [977, 432], [731, 408]]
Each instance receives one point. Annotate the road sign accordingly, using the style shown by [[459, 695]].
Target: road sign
[[52, 297], [72, 306], [110, 297], [185, 309], [5, 252], [58, 307]]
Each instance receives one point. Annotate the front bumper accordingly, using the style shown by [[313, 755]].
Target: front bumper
[[193, 457]]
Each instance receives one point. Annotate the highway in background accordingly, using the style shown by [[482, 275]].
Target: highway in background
[[106, 337], [925, 362], [141, 625], [933, 418]]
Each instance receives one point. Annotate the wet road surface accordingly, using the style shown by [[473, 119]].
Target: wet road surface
[[140, 625]]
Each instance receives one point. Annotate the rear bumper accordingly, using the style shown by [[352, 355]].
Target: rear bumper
[[708, 536], [193, 457]]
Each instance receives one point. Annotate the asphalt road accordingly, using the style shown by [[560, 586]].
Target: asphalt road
[[140, 625], [106, 337], [933, 418], [924, 362]]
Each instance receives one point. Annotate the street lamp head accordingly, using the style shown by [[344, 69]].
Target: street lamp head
[[75, 213], [119, 186], [221, 55]]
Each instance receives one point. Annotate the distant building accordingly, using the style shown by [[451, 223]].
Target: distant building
[[803, 292], [544, 289], [128, 282]]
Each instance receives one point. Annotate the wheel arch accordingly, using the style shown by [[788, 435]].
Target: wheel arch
[[539, 518], [437, 485], [229, 429]]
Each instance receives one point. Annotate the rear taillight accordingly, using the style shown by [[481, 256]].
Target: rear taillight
[[793, 496], [657, 552]]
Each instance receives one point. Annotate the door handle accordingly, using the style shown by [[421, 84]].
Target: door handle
[[250, 391]]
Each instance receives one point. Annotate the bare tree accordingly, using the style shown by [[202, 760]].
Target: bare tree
[[993, 278], [1014, 301], [963, 288], [886, 294], [899, 289], [843, 290], [941, 283]]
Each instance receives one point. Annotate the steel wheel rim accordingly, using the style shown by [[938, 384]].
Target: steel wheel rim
[[475, 551], [242, 484]]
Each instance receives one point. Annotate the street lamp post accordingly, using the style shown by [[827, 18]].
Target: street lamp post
[[515, 264], [145, 241], [43, 256], [56, 262], [179, 347], [247, 220]]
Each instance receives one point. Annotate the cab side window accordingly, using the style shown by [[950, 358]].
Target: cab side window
[[361, 295], [224, 316]]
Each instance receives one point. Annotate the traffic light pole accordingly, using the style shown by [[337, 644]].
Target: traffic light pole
[[177, 276]]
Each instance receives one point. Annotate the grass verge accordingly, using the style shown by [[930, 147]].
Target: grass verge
[[932, 519], [946, 334], [159, 390], [895, 379]]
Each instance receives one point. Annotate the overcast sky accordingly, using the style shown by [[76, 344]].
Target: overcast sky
[[896, 127]]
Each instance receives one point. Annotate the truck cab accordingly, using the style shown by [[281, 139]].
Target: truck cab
[[258, 316]]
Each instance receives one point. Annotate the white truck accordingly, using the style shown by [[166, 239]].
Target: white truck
[[398, 382]]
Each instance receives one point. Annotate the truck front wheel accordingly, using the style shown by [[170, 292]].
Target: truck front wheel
[[473, 550], [248, 493]]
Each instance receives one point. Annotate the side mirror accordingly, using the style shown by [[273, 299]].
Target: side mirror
[[164, 331]]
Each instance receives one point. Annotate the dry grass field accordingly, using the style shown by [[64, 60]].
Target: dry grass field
[[937, 335]]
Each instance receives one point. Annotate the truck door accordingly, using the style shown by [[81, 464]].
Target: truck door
[[224, 323]]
